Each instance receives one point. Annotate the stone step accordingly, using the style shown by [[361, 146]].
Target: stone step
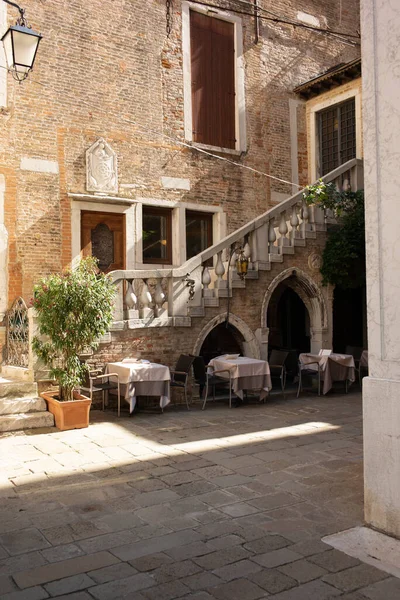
[[20, 421], [13, 406], [17, 389]]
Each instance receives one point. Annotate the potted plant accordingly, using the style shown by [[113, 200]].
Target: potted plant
[[74, 309]]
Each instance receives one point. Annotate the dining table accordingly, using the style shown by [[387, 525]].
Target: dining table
[[140, 377], [333, 367], [246, 373]]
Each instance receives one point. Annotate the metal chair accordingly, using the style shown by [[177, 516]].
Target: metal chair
[[304, 370], [277, 367], [180, 375], [207, 379], [91, 386]]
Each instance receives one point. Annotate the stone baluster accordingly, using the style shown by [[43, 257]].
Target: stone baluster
[[145, 300], [131, 301], [311, 218], [283, 229], [272, 249], [304, 219], [294, 222], [206, 280], [220, 284], [159, 299]]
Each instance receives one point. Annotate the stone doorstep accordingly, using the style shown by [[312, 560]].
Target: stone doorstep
[[13, 406], [30, 420]]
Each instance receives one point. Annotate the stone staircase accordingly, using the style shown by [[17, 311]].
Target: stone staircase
[[21, 408]]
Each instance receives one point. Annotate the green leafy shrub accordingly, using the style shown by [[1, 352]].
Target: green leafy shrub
[[343, 258], [74, 309]]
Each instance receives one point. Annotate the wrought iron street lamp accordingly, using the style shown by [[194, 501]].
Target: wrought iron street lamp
[[20, 45], [240, 256]]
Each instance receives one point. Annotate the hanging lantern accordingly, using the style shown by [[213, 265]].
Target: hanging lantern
[[242, 264], [20, 47]]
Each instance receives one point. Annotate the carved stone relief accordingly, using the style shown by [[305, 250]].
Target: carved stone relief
[[101, 168], [315, 261]]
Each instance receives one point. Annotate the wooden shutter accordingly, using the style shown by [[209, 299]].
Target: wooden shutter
[[213, 80]]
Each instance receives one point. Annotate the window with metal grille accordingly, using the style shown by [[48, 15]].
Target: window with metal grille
[[337, 135], [212, 57]]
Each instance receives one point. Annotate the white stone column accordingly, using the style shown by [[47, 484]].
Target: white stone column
[[380, 22]]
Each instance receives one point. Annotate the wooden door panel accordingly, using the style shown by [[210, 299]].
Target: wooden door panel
[[103, 235]]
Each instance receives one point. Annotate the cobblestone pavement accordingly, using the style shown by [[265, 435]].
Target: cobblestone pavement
[[221, 504]]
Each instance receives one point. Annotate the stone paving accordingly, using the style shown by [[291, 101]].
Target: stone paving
[[214, 505]]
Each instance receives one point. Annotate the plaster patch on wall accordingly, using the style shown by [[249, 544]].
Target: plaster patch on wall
[[175, 183], [39, 165], [309, 19]]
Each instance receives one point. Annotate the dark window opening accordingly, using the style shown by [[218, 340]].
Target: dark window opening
[[157, 235], [198, 232], [212, 49], [337, 135]]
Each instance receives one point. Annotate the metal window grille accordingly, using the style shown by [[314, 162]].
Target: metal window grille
[[337, 135]]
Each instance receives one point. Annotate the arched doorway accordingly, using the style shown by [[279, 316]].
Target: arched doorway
[[222, 339]]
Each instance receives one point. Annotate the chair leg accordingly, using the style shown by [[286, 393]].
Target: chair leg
[[319, 383], [346, 388], [299, 386], [205, 397], [186, 398], [230, 395], [119, 401]]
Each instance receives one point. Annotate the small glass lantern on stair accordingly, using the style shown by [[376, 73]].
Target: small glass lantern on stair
[[242, 263]]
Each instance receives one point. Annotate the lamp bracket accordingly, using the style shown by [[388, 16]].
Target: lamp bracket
[[21, 20]]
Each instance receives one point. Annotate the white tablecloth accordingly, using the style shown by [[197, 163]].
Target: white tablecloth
[[246, 374], [141, 379], [334, 367]]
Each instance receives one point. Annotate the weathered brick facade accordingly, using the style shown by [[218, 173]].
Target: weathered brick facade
[[107, 69]]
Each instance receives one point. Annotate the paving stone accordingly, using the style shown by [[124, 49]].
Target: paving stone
[[151, 546], [225, 541], [239, 589], [58, 535], [24, 540], [157, 497], [76, 596], [218, 498], [214, 530], [34, 593], [303, 570], [172, 571], [334, 560], [120, 521], [69, 584], [221, 558], [198, 596], [201, 581], [166, 591], [236, 570], [310, 547], [383, 590], [273, 581], [196, 488], [61, 552], [240, 509], [118, 571], [180, 478], [65, 568], [190, 550], [267, 544], [226, 481], [107, 541], [19, 563], [122, 587], [212, 471], [314, 590], [277, 558], [7, 585], [274, 500], [152, 561], [355, 577]]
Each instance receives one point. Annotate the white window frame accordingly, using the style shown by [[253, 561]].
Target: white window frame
[[354, 92], [240, 107], [178, 228]]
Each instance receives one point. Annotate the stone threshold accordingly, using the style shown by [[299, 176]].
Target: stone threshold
[[369, 546]]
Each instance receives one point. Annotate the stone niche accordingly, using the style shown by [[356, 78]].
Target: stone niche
[[101, 168]]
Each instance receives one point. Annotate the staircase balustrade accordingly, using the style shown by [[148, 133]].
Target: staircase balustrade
[[164, 294]]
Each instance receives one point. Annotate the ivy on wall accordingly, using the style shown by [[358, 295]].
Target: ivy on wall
[[343, 259]]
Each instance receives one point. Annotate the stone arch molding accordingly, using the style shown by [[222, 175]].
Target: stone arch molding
[[308, 291], [250, 343]]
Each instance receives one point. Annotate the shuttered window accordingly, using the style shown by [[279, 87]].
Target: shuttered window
[[337, 135], [213, 80]]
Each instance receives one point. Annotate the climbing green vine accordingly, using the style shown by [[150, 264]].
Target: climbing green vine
[[343, 259]]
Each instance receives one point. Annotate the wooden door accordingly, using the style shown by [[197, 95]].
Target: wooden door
[[103, 236]]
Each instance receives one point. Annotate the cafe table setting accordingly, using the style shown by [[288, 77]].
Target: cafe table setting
[[245, 373], [140, 377], [333, 367]]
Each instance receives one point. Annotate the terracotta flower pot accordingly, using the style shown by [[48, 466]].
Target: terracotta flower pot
[[68, 415]]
